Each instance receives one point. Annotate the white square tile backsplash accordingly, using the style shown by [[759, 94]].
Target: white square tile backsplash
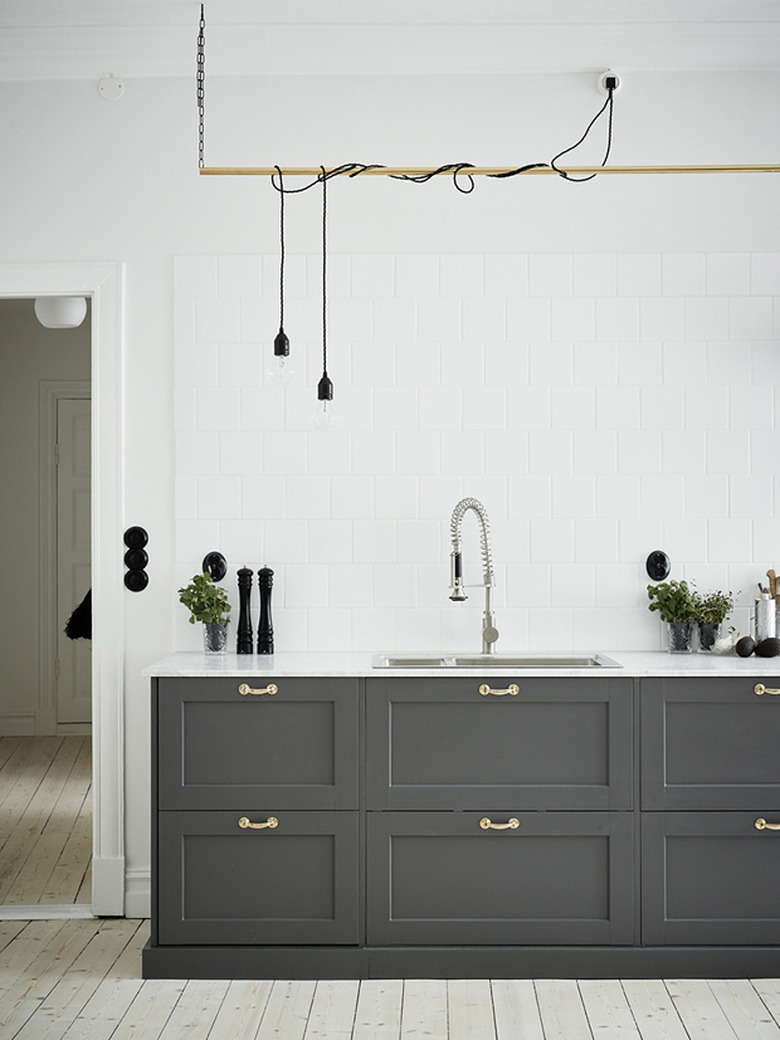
[[600, 405]]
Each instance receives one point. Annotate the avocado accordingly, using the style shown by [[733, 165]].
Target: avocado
[[768, 647], [745, 646]]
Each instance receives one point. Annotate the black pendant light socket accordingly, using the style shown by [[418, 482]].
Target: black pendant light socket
[[281, 344], [325, 388]]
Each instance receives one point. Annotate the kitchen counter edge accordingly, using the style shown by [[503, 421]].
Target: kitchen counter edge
[[634, 664]]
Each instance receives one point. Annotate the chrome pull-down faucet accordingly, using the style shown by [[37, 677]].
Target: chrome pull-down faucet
[[489, 630]]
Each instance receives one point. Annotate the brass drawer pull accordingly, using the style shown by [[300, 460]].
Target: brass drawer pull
[[759, 688], [512, 690], [762, 825], [245, 688], [270, 823], [487, 825]]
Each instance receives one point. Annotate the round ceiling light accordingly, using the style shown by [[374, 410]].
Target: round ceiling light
[[60, 312]]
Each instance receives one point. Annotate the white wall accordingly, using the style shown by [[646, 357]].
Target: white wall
[[29, 353], [130, 192], [600, 405]]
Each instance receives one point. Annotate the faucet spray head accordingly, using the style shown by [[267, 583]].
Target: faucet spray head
[[458, 594]]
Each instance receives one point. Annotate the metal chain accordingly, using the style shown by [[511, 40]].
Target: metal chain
[[200, 78]]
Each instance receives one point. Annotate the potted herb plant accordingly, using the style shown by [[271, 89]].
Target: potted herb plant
[[208, 603], [674, 601], [711, 611]]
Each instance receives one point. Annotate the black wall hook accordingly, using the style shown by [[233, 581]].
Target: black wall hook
[[215, 564]]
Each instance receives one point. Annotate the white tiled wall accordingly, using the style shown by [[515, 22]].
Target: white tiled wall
[[601, 406]]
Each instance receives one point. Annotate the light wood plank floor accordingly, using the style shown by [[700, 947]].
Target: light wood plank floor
[[45, 820], [80, 980]]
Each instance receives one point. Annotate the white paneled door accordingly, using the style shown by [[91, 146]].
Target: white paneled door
[[74, 695]]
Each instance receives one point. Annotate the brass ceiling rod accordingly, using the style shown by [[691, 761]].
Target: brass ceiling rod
[[488, 171]]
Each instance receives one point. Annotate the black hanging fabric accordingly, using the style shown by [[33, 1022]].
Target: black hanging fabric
[[79, 624]]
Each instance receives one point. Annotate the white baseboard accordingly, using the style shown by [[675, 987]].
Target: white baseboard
[[17, 724], [138, 893], [47, 912], [108, 877]]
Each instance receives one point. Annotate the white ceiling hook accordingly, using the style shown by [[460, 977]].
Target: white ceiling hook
[[110, 87]]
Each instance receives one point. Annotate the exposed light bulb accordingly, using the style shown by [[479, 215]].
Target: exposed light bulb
[[280, 372], [324, 417]]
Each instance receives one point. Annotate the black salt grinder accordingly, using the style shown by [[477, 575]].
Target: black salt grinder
[[244, 636], [265, 629]]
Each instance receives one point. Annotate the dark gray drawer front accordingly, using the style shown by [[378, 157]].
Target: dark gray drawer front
[[709, 744], [296, 749], [297, 883], [438, 878], [709, 878], [557, 744]]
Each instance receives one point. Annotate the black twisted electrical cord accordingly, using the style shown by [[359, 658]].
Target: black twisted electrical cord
[[456, 168], [346, 169], [324, 273], [520, 169], [607, 104], [282, 251]]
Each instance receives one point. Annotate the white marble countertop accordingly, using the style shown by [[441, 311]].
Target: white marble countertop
[[632, 664]]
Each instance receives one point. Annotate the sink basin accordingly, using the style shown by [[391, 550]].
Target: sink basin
[[511, 661]]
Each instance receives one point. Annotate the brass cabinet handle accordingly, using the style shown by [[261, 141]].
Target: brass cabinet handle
[[270, 823], [487, 824], [759, 688], [513, 689], [762, 825], [245, 688]]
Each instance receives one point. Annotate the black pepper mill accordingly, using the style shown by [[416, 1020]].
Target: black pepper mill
[[244, 637], [265, 629]]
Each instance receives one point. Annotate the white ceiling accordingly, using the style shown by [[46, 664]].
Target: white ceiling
[[52, 39]]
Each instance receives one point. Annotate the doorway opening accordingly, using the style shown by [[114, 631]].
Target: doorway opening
[[45, 708], [96, 700]]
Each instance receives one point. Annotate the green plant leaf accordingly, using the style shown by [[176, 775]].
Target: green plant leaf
[[206, 601]]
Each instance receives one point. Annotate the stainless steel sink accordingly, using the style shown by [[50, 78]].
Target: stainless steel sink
[[511, 661]]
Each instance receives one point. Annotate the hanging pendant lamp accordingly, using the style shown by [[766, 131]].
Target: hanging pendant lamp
[[281, 370], [324, 417]]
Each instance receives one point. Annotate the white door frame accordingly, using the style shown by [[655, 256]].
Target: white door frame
[[103, 283]]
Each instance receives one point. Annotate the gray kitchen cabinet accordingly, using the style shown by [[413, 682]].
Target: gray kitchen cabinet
[[549, 878], [445, 743], [443, 826], [710, 747], [710, 743], [292, 880], [293, 747], [709, 878]]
